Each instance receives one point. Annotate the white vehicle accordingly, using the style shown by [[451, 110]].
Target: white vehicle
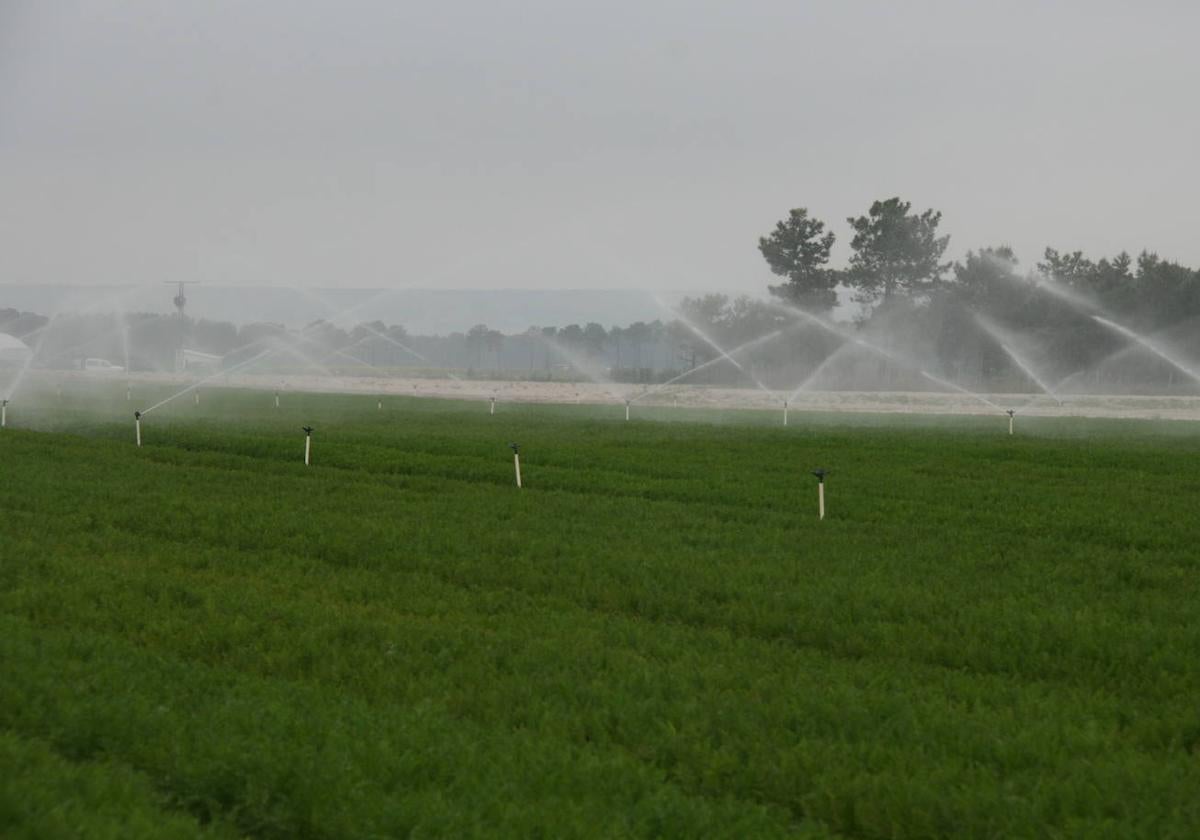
[[100, 366]]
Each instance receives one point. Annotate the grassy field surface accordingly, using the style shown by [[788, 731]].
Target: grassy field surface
[[988, 636]]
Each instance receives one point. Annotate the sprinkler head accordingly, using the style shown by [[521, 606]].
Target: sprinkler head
[[515, 447], [137, 415], [820, 474], [1011, 412], [308, 430]]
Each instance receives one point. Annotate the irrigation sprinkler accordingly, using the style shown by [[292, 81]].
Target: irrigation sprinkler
[[3, 413], [785, 408], [277, 399], [626, 409], [379, 405], [308, 430], [1010, 414], [493, 410], [137, 427], [516, 448], [820, 474], [128, 392], [197, 395]]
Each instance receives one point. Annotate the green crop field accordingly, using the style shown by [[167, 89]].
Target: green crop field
[[988, 636]]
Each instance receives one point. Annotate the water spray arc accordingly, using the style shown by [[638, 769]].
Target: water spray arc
[[1000, 336], [699, 333], [762, 339], [1152, 346], [587, 368], [838, 331], [372, 332]]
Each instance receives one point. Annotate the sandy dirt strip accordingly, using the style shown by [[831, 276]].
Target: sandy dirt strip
[[886, 402]]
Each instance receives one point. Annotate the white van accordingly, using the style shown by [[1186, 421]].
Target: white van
[[100, 366]]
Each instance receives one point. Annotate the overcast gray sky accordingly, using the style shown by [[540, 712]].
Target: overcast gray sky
[[556, 144]]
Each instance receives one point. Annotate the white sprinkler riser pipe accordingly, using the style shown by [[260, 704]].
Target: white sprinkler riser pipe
[[4, 415], [493, 405], [517, 467], [307, 449], [277, 400], [626, 409], [379, 406], [1010, 424], [785, 409], [821, 500], [138, 427], [197, 398]]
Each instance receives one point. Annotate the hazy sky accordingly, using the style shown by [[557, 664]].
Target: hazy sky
[[553, 144]]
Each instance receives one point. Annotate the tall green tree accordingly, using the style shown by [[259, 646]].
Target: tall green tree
[[896, 252], [798, 249]]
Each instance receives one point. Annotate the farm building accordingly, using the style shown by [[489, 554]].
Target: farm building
[[13, 350]]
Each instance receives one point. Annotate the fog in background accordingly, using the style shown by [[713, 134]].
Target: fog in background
[[485, 145]]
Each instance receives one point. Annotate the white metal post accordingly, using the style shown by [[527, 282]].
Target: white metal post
[[820, 474]]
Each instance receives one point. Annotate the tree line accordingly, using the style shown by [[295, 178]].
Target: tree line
[[984, 321], [980, 318]]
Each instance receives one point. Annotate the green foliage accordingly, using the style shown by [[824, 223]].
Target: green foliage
[[989, 636], [798, 249], [895, 252]]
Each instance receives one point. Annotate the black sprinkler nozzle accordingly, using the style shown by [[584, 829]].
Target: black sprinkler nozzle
[[515, 447], [820, 474], [137, 415], [1011, 412], [308, 430]]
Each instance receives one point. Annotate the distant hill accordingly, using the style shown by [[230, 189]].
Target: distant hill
[[420, 311]]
